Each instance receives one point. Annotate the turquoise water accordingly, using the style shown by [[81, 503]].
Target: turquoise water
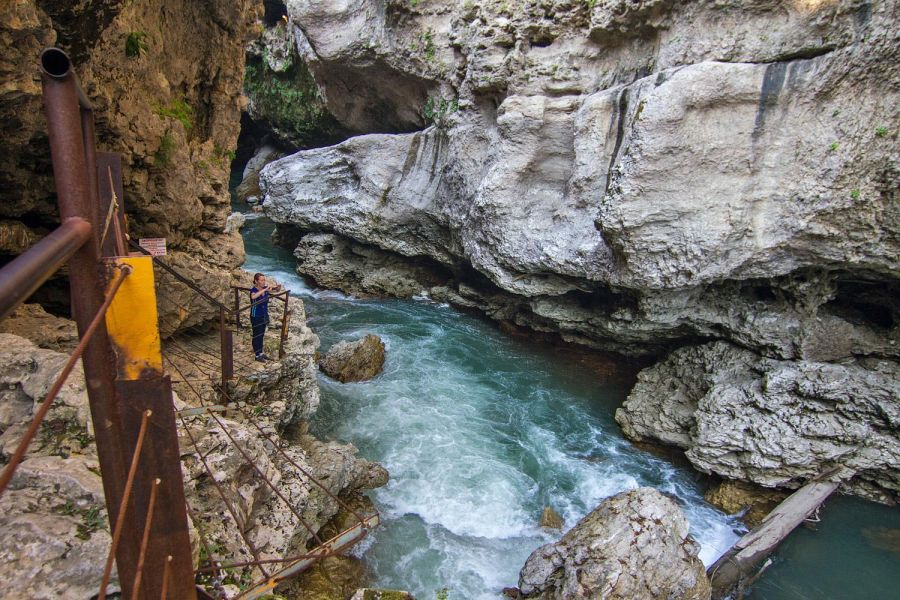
[[481, 431]]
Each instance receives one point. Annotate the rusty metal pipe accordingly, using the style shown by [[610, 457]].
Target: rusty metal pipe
[[23, 276], [63, 101]]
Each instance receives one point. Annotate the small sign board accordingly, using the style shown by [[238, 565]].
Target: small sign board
[[155, 246]]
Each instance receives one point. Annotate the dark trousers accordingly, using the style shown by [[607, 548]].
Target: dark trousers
[[259, 330]]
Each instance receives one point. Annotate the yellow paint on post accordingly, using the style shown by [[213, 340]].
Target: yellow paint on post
[[132, 320]]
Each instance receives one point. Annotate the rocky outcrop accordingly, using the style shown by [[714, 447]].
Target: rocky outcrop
[[32, 322], [364, 270], [54, 536], [633, 545], [635, 176], [165, 81], [751, 502], [776, 423], [612, 200], [354, 361]]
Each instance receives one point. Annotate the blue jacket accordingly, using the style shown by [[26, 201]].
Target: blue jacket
[[259, 309]]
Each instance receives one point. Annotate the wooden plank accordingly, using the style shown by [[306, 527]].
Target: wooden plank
[[737, 564]]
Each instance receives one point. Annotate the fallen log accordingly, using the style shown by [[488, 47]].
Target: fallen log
[[735, 566]]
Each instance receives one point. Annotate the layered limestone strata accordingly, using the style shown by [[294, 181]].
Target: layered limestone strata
[[636, 176], [776, 423]]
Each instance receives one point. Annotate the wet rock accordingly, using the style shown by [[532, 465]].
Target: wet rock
[[332, 577], [336, 262], [31, 321], [354, 361], [754, 502], [633, 545], [373, 594], [883, 538], [775, 423], [234, 222], [551, 519]]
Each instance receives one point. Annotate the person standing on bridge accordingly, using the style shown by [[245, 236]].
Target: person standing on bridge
[[259, 313]]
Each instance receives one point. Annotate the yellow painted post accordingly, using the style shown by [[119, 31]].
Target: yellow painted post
[[132, 320]]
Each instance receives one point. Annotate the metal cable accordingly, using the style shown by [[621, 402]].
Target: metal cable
[[22, 448]]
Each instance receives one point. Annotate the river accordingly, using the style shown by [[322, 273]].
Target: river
[[480, 431]]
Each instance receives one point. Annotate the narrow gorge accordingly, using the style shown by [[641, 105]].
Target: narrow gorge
[[633, 266]]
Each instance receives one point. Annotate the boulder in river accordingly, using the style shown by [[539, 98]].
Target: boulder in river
[[354, 361], [551, 519], [633, 545]]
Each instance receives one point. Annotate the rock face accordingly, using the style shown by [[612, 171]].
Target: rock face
[[635, 176], [165, 81], [678, 187], [354, 361], [54, 536], [53, 528], [776, 423], [633, 545]]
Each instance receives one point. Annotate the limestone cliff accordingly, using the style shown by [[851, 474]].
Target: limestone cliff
[[165, 81], [635, 175]]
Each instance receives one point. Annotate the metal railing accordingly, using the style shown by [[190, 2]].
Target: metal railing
[[129, 393]]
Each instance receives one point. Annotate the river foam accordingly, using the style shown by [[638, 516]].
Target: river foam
[[480, 432]]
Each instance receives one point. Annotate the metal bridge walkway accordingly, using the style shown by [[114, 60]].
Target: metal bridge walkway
[[130, 373]]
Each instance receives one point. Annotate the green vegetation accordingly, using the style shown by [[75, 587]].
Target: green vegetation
[[60, 436], [855, 194], [290, 102], [135, 44], [442, 594], [92, 519], [223, 156], [162, 158], [833, 146], [590, 4], [881, 131], [179, 110], [437, 110], [428, 45]]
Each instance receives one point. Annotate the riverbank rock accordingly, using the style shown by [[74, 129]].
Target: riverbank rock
[[633, 545], [551, 519], [354, 361], [373, 594], [775, 423], [753, 501]]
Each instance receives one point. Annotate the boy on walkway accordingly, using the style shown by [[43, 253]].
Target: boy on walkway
[[259, 314]]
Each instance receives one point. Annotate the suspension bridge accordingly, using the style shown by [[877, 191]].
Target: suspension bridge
[[131, 371]]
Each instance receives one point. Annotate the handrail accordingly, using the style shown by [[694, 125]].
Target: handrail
[[177, 275], [27, 272]]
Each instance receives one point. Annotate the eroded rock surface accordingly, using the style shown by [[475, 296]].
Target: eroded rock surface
[[354, 361], [776, 423], [633, 545], [635, 176]]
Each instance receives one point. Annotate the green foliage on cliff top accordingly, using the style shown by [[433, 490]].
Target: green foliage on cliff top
[[179, 110], [135, 44], [289, 101]]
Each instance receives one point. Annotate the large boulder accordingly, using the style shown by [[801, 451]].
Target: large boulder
[[633, 545], [354, 361], [776, 423]]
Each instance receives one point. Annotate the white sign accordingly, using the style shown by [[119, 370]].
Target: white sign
[[155, 246]]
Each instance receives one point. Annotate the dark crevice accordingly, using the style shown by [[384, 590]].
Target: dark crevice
[[866, 303]]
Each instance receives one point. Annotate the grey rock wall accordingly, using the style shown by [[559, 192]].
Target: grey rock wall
[[633, 175]]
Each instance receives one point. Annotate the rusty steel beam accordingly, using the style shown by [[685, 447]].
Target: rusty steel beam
[[160, 459], [63, 104], [284, 326], [23, 276]]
